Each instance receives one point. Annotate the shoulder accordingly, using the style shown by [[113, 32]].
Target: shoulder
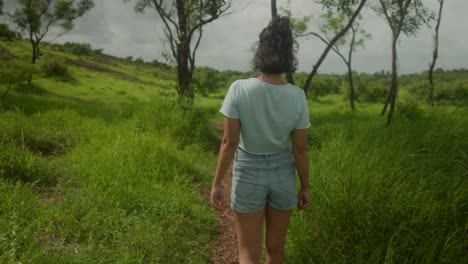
[[241, 85], [241, 82], [297, 91]]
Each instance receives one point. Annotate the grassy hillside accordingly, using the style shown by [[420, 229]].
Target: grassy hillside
[[103, 166]]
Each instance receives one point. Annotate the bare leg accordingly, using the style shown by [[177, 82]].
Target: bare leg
[[249, 234], [277, 222]]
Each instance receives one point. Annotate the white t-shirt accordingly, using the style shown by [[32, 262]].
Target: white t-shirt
[[268, 114]]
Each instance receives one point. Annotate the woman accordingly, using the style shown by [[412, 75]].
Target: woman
[[265, 132]]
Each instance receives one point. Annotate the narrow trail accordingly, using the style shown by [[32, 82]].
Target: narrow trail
[[225, 248]]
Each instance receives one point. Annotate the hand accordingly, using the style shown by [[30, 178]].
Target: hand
[[217, 196], [304, 199]]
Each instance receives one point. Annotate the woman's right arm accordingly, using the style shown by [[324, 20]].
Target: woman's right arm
[[299, 144]]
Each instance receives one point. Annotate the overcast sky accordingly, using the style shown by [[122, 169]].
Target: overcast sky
[[227, 43]]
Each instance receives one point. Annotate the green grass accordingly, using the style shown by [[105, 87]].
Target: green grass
[[106, 169], [103, 170], [384, 195]]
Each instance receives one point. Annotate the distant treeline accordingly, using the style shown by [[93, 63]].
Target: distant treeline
[[370, 87]]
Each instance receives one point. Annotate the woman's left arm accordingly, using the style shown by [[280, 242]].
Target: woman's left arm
[[226, 154]]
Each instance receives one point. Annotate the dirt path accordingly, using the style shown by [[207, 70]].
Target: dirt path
[[225, 250]]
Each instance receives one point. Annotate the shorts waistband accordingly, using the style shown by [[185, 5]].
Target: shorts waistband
[[279, 155]]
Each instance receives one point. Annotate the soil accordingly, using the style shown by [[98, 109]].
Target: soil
[[225, 250]]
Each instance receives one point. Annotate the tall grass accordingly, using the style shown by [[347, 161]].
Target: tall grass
[[385, 195], [75, 188]]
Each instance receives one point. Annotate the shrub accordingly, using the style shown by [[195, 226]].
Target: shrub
[[55, 67], [206, 80], [78, 49], [13, 73], [7, 33], [372, 92], [456, 92], [410, 109]]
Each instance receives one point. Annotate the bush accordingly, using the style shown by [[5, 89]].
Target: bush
[[206, 80], [55, 67], [79, 49], [456, 92], [13, 73], [8, 34], [410, 109], [372, 92]]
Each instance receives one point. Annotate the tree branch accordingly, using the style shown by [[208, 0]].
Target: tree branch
[[169, 34], [332, 42], [211, 19], [192, 55]]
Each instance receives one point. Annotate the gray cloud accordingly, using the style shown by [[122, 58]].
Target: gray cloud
[[227, 43]]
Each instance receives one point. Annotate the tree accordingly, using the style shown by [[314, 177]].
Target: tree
[[1, 7], [435, 53], [183, 22], [336, 6], [334, 23], [36, 17], [274, 13], [402, 16]]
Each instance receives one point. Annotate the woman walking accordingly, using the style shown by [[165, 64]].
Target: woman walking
[[265, 132]]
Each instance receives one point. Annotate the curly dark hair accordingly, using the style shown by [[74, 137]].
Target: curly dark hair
[[276, 50]]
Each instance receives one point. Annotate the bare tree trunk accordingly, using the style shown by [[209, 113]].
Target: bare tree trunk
[[435, 55], [351, 87], [274, 11], [183, 54], [394, 76], [183, 72], [394, 86], [350, 69], [332, 43], [35, 54]]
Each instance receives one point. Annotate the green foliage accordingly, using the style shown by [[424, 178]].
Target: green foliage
[[78, 49], [55, 67], [15, 71], [19, 164], [125, 192], [7, 33], [38, 16], [299, 25], [411, 109], [207, 80], [323, 84], [371, 88], [166, 115], [451, 87], [35, 18], [384, 195], [139, 61], [183, 22], [415, 15]]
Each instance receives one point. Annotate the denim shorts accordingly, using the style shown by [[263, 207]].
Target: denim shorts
[[258, 179]]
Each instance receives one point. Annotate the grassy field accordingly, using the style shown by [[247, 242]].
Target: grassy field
[[107, 168], [101, 169]]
